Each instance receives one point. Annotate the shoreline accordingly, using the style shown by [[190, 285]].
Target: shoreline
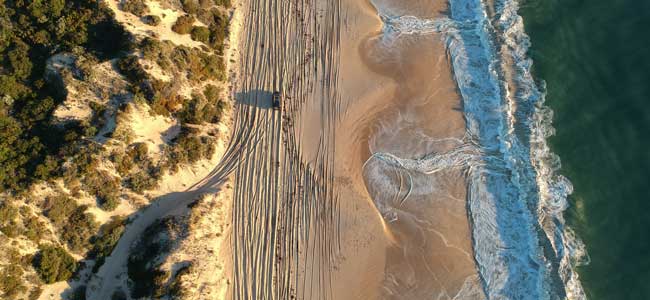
[[402, 92]]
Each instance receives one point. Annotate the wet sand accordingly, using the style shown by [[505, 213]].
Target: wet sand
[[399, 98]]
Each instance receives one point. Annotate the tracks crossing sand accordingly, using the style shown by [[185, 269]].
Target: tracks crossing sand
[[284, 209]]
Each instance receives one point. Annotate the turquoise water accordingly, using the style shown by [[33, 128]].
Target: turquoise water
[[595, 58]]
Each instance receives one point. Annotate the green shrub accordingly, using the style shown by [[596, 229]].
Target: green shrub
[[59, 208], [207, 108], [54, 264], [151, 20], [188, 148], [183, 24], [105, 241], [79, 293], [130, 67], [144, 180], [190, 6], [104, 187], [142, 268], [34, 229], [11, 283], [136, 7], [80, 227], [201, 34], [74, 225], [223, 3]]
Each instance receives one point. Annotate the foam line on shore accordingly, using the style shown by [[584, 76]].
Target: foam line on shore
[[523, 249]]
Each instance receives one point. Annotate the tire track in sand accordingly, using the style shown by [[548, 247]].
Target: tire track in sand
[[285, 214]]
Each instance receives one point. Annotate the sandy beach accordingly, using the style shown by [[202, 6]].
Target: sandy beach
[[401, 99], [317, 214]]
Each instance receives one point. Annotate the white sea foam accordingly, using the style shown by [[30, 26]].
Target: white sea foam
[[522, 246]]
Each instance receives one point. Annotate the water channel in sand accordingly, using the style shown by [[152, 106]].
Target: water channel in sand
[[404, 229]]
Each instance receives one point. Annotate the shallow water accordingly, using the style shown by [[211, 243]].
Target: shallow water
[[594, 58]]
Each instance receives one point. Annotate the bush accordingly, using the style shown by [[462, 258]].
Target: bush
[[144, 180], [74, 225], [224, 3], [79, 293], [34, 229], [79, 229], [142, 266], [59, 208], [201, 34], [54, 264], [151, 20], [106, 239], [203, 108], [136, 7], [130, 67], [8, 215], [11, 283], [190, 6], [183, 24]]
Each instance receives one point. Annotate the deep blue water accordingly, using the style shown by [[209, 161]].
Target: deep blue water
[[595, 58]]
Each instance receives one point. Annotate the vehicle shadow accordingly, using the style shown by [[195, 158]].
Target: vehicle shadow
[[256, 98]]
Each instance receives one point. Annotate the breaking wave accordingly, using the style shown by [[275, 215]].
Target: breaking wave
[[516, 198]]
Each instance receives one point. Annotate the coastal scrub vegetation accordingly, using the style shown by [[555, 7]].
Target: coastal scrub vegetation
[[30, 33], [86, 160], [54, 264]]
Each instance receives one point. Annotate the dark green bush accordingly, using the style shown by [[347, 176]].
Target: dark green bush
[[136, 7], [34, 229], [104, 187], [59, 208], [151, 20], [105, 241], [79, 293], [80, 227], [143, 180], [54, 264], [190, 6], [130, 67], [201, 34], [141, 267], [203, 108], [183, 24], [74, 225], [223, 3]]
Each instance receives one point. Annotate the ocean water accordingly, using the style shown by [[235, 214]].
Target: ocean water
[[595, 59]]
